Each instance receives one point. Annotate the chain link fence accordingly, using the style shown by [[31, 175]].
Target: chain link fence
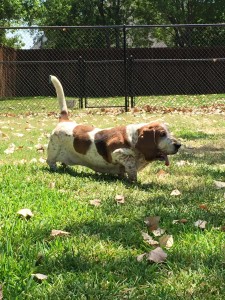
[[158, 67]]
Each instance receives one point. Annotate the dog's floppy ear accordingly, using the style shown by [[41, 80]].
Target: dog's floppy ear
[[146, 142]]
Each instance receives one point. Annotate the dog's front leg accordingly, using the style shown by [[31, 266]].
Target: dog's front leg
[[131, 170]]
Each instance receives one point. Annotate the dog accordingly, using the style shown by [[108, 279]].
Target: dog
[[122, 151]]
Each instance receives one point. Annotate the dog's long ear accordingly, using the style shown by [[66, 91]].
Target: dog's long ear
[[147, 143]]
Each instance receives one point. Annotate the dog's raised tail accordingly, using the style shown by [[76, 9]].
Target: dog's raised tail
[[61, 97]]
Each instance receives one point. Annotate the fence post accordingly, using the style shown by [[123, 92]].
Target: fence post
[[81, 74], [125, 67], [130, 61]]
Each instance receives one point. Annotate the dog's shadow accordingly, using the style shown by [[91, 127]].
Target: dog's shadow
[[99, 177]]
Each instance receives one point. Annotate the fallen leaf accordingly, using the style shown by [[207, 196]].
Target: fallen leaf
[[141, 257], [149, 239], [203, 206], [157, 255], [183, 221], [18, 134], [3, 135], [152, 222], [175, 193], [219, 184], [200, 224], [158, 232], [56, 232], [119, 199], [42, 160], [222, 228], [182, 163], [166, 241], [95, 202], [52, 185], [40, 277], [25, 213], [10, 149], [162, 173]]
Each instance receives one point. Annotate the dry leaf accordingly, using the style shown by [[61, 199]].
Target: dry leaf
[[203, 206], [183, 221], [95, 202], [175, 193], [52, 185], [158, 232], [18, 134], [39, 276], [157, 255], [162, 173], [152, 222], [33, 161], [200, 224], [119, 199], [25, 213], [182, 163], [166, 241], [149, 239], [56, 232], [10, 149], [219, 184], [141, 257], [42, 160], [3, 135]]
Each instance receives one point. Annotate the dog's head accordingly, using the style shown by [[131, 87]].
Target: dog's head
[[156, 143]]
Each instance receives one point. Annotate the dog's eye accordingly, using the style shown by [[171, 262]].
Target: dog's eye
[[162, 133]]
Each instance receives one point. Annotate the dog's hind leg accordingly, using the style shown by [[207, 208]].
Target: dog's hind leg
[[52, 151]]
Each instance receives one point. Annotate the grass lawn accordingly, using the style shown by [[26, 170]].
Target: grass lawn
[[98, 259]]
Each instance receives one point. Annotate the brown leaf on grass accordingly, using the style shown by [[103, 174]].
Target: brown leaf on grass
[[219, 184], [52, 185], [147, 238], [157, 255], [3, 135], [39, 277], [152, 222], [162, 174], [203, 206], [42, 160], [175, 193], [182, 221], [120, 199], [56, 232], [200, 224], [166, 241], [95, 202], [25, 213], [222, 228]]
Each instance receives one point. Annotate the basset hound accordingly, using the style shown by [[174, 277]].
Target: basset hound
[[123, 150]]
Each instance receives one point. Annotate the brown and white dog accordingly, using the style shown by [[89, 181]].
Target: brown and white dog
[[120, 150]]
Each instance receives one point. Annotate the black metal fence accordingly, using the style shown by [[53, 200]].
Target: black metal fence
[[119, 66]]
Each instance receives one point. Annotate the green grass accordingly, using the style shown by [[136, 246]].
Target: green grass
[[44, 104], [98, 259]]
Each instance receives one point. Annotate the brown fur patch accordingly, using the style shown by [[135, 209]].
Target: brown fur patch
[[81, 141], [63, 117], [108, 140], [148, 139]]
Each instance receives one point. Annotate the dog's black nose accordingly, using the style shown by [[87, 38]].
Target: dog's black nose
[[177, 145]]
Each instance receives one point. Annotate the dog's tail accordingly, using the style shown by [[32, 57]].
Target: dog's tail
[[61, 98]]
